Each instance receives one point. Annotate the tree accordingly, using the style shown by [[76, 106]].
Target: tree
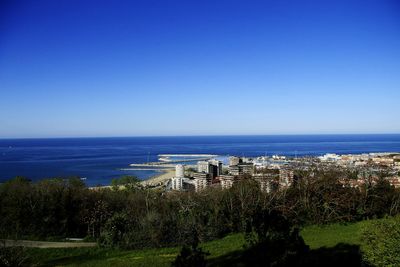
[[273, 241], [13, 256], [115, 231], [128, 182], [191, 256]]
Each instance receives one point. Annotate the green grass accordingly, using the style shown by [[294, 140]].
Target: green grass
[[116, 258], [314, 236], [333, 234]]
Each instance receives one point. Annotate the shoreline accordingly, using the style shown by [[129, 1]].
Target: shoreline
[[155, 180], [161, 178]]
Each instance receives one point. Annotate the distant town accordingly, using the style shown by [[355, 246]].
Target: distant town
[[279, 172]]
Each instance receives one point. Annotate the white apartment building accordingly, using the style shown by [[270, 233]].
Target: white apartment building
[[200, 183], [177, 183], [226, 181], [202, 166]]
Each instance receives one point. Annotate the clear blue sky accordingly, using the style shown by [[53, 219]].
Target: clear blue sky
[[128, 68]]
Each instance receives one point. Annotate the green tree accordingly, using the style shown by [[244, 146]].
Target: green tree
[[127, 182], [191, 256], [272, 240], [115, 231]]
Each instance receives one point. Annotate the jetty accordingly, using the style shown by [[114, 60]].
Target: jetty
[[187, 155], [165, 163]]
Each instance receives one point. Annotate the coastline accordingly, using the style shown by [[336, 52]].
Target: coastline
[[155, 180], [161, 178], [24, 152]]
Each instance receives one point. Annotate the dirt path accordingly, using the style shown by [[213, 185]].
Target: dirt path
[[44, 244]]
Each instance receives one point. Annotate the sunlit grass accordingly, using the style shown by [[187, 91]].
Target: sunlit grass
[[314, 236], [333, 234]]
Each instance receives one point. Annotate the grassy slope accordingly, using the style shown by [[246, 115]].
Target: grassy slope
[[314, 236], [145, 257], [331, 235]]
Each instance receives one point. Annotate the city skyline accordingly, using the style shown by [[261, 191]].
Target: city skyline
[[95, 69]]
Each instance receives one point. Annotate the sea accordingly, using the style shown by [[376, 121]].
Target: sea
[[98, 160]]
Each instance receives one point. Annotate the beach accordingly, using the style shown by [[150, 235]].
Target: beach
[[160, 178]]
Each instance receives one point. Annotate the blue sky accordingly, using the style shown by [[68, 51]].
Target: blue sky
[[128, 68]]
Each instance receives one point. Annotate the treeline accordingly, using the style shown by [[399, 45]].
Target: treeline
[[142, 217]]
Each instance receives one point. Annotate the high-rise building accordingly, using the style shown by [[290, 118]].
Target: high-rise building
[[226, 181], [202, 166], [200, 183], [285, 177], [213, 171], [179, 171], [234, 161], [266, 181], [242, 168], [177, 183], [214, 168]]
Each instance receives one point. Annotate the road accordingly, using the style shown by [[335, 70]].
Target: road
[[45, 244]]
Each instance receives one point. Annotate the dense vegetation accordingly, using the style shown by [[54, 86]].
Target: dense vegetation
[[382, 242], [138, 217]]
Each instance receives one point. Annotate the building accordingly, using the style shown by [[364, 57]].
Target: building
[[267, 181], [330, 157], [201, 181], [285, 177], [246, 160], [202, 166], [234, 170], [217, 169], [241, 169], [383, 161], [179, 171], [212, 167], [264, 182], [177, 183], [234, 161], [213, 171], [200, 184], [226, 181], [200, 175]]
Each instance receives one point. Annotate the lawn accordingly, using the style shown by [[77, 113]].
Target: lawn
[[333, 234], [116, 258], [314, 236]]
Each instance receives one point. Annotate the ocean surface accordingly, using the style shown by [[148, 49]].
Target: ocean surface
[[101, 159]]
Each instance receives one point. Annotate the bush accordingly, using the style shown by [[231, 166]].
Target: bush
[[13, 256], [115, 231], [191, 256], [273, 241], [381, 242]]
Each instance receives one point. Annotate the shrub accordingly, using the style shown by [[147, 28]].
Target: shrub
[[273, 241], [115, 230], [191, 256], [381, 242], [13, 256]]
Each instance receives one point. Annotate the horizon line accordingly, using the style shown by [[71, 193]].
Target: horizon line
[[194, 135]]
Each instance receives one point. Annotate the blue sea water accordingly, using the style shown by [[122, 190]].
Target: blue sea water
[[101, 159]]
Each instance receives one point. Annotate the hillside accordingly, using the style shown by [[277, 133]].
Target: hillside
[[316, 237]]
